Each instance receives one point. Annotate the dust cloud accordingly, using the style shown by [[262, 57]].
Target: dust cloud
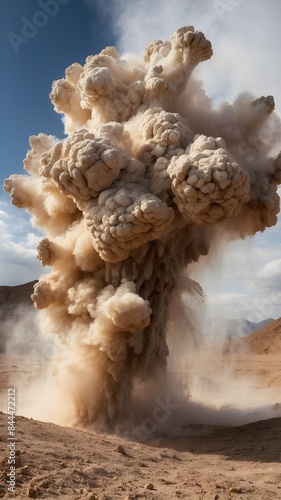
[[149, 176]]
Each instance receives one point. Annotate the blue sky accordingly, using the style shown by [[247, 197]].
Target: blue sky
[[246, 38], [75, 32]]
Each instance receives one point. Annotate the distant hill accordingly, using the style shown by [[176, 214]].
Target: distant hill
[[226, 330], [267, 340], [16, 307], [13, 296]]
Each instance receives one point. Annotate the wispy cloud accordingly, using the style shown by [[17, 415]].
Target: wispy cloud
[[246, 38], [246, 41], [136, 23], [245, 35], [245, 280], [18, 247]]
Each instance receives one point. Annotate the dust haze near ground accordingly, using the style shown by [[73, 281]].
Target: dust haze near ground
[[197, 462], [149, 177]]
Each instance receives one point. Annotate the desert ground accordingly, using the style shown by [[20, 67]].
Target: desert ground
[[230, 449]]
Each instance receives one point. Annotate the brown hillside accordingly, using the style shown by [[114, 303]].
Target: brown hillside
[[267, 340], [16, 307], [220, 463], [16, 295]]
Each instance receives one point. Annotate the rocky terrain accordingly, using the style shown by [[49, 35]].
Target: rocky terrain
[[225, 444]]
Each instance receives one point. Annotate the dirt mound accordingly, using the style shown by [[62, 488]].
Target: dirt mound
[[13, 296], [205, 462], [16, 308], [267, 340]]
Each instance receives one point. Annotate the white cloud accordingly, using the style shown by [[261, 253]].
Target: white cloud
[[246, 51], [3, 215], [18, 247], [138, 22], [246, 38], [271, 269], [255, 306], [244, 279]]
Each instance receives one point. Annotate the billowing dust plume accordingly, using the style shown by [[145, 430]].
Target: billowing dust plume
[[148, 177]]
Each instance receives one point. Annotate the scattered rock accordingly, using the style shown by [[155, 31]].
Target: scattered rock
[[166, 481], [220, 486], [120, 449], [216, 497], [23, 471], [91, 496], [149, 486], [31, 492], [235, 490], [44, 484]]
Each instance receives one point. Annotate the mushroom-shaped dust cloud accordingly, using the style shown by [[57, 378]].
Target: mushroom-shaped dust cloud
[[146, 177], [208, 183]]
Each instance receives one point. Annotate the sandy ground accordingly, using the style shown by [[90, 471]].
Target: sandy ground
[[209, 461]]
